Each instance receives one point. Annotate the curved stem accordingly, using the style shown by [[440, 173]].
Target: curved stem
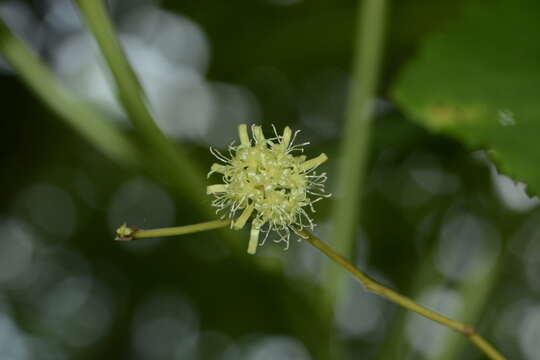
[[372, 285]]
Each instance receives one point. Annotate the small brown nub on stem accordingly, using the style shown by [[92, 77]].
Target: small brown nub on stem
[[468, 330], [125, 233]]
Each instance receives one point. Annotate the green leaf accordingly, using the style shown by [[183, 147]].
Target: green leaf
[[479, 81]]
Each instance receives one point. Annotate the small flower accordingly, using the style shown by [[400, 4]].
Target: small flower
[[265, 182]]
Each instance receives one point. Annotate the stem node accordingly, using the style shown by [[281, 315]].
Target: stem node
[[125, 233], [468, 330]]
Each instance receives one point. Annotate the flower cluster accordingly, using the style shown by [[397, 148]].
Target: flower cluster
[[265, 182]]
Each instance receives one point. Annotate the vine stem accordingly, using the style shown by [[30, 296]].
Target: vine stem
[[376, 287], [125, 233]]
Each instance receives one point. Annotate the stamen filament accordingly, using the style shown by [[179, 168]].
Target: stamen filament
[[218, 168]]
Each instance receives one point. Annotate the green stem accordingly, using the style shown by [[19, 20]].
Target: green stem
[[354, 149], [125, 233], [177, 164], [83, 118], [401, 300]]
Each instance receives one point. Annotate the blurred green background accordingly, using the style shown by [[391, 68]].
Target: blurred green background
[[457, 106]]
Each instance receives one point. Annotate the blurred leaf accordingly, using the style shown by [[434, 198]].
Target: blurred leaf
[[479, 81]]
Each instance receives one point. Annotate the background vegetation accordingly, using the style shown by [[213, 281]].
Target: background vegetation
[[457, 107]]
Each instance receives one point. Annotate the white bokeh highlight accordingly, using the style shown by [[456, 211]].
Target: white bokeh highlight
[[529, 333], [167, 319], [51, 208], [424, 335], [468, 247], [276, 347]]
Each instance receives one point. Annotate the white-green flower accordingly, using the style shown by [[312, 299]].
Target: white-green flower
[[265, 182]]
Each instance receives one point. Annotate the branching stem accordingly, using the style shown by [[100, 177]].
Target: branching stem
[[125, 233]]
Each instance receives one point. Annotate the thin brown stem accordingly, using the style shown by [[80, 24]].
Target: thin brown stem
[[372, 285]]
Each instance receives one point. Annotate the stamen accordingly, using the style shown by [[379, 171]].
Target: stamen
[[294, 137], [286, 139], [266, 236], [258, 134], [218, 188], [218, 168], [241, 221], [243, 134], [219, 155], [313, 163], [253, 238]]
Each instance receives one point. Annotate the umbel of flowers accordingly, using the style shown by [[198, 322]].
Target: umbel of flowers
[[264, 182]]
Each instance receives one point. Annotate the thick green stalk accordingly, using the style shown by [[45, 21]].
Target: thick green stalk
[[174, 162], [356, 135], [83, 118]]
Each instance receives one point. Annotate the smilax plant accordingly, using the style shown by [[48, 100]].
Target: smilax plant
[[265, 183]]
